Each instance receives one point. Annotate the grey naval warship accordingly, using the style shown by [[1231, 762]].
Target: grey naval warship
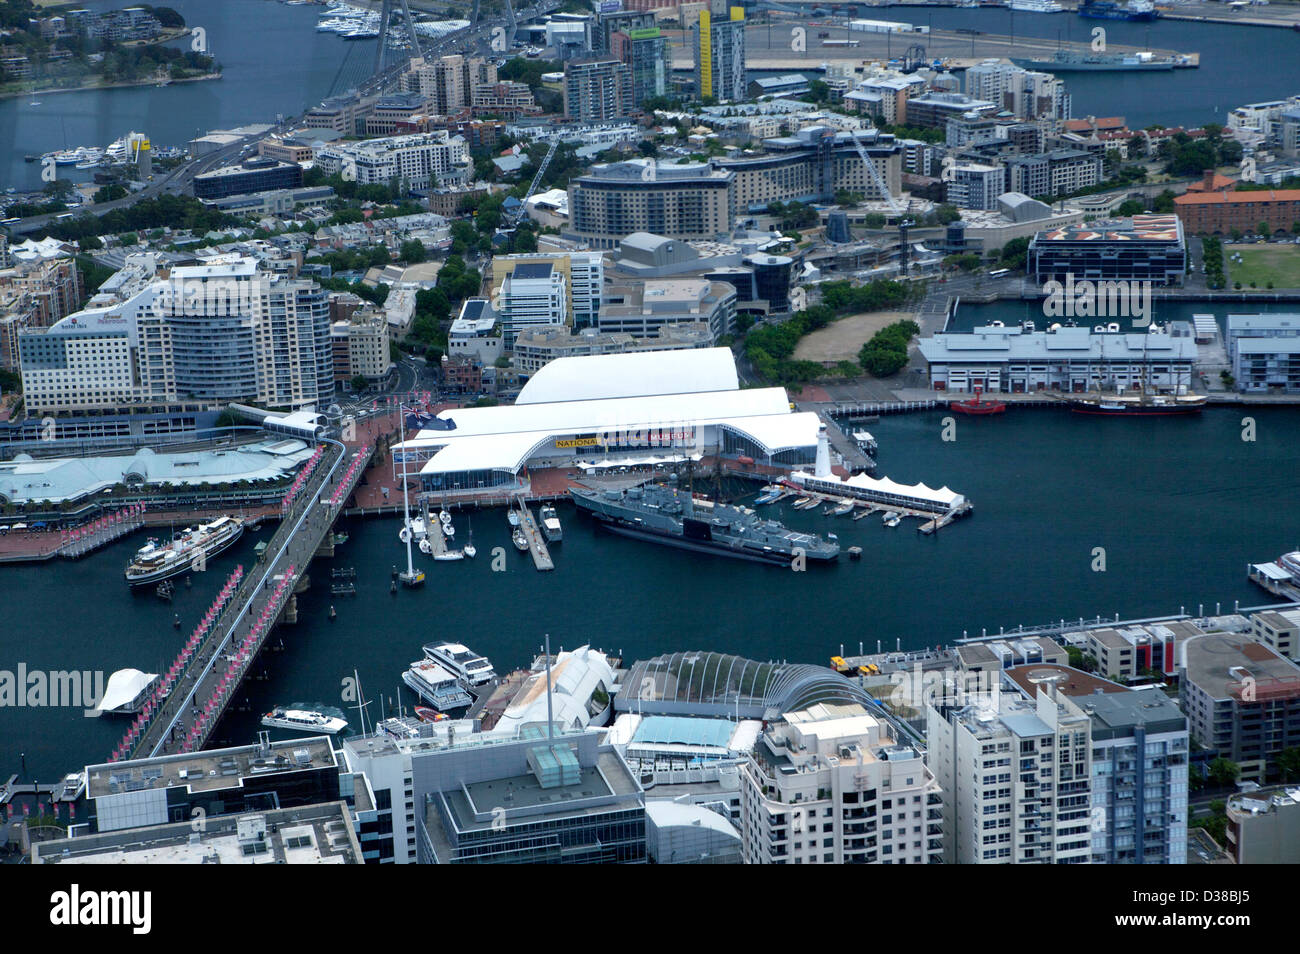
[[679, 519]]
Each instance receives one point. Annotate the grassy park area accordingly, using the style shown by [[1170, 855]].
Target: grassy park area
[[1261, 264]]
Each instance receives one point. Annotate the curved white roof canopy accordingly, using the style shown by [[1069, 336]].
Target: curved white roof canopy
[[638, 374], [123, 686]]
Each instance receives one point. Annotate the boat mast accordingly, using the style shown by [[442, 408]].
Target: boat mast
[[406, 505]]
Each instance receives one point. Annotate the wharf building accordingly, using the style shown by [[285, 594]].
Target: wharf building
[[812, 165], [669, 405], [1220, 213], [1242, 700], [1074, 360], [206, 335], [832, 784], [613, 200], [1264, 351], [1144, 248]]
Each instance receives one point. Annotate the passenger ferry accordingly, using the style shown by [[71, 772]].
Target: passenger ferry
[[436, 686], [189, 549], [462, 661], [1291, 563], [303, 720]]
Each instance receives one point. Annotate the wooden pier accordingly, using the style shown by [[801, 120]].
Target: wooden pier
[[536, 544]]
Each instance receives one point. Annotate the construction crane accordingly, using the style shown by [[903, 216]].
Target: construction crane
[[881, 184], [537, 179], [904, 221]]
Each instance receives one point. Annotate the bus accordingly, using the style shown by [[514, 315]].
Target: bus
[[999, 273]]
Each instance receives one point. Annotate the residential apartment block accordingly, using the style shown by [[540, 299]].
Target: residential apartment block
[[832, 784]]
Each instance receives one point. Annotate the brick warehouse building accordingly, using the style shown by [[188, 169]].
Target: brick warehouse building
[[1218, 213]]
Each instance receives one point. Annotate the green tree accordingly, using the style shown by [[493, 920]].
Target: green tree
[[1224, 772], [1288, 764], [413, 252]]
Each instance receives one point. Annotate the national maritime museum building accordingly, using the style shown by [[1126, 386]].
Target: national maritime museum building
[[602, 411]]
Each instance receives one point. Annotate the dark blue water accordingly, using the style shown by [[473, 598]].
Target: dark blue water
[[1239, 64], [1180, 506], [274, 62]]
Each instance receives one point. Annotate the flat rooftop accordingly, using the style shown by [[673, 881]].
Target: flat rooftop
[[210, 770], [1068, 681], [1217, 663], [310, 835]]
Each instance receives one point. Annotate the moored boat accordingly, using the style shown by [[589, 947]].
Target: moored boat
[[189, 550], [303, 720]]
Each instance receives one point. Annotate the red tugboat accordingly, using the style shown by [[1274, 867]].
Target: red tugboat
[[978, 406]]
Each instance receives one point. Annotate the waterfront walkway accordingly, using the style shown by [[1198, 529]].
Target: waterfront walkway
[[226, 651]]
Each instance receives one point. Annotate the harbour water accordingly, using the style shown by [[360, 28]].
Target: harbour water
[[273, 61], [1180, 506]]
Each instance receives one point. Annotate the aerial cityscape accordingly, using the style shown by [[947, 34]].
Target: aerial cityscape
[[650, 432]]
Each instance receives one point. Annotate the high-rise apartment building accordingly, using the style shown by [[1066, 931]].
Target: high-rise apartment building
[[719, 47], [832, 784], [597, 90], [208, 334]]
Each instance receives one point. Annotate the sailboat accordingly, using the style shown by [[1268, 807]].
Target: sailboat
[[469, 549], [1144, 404], [411, 576]]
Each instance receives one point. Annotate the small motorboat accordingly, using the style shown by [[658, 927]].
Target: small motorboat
[[520, 541], [426, 714]]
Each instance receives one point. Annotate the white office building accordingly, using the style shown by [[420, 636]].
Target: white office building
[[532, 294], [419, 161]]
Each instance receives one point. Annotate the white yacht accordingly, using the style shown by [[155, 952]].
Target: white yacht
[[435, 685], [551, 528], [461, 660], [303, 720]]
